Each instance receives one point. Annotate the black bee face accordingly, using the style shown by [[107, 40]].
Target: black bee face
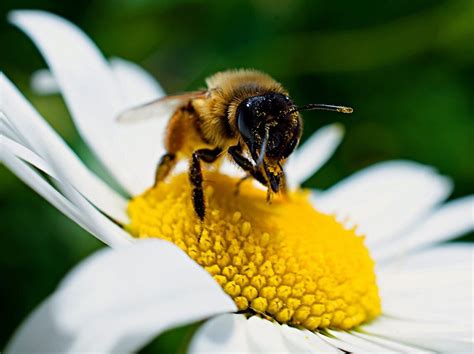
[[271, 129]]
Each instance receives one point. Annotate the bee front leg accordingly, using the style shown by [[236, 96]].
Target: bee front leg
[[195, 177], [239, 183], [246, 165]]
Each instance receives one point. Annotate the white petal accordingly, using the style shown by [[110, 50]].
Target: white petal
[[237, 334], [8, 130], [449, 221], [37, 133], [43, 188], [305, 341], [78, 209], [427, 335], [434, 285], [137, 85], [25, 154], [447, 255], [367, 346], [340, 344], [43, 82], [221, 334], [39, 333], [391, 344], [440, 296], [313, 154], [385, 199], [266, 337], [117, 301], [93, 96], [104, 229]]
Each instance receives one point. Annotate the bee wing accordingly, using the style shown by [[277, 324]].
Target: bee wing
[[161, 108]]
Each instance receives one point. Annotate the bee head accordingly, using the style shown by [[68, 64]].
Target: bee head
[[271, 128]]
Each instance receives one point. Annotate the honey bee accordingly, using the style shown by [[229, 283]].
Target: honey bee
[[245, 114]]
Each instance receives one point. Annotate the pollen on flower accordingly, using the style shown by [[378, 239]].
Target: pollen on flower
[[284, 261]]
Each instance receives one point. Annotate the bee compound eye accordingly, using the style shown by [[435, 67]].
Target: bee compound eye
[[245, 121]]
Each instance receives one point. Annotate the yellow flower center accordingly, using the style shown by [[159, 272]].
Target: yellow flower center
[[284, 260]]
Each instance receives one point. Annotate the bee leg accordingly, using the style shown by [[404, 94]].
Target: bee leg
[[242, 180], [246, 164], [195, 178], [284, 188], [283, 185], [269, 196], [164, 167]]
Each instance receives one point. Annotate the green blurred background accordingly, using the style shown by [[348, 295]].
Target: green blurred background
[[407, 67]]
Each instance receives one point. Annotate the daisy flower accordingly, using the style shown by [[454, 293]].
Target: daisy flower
[[294, 276]]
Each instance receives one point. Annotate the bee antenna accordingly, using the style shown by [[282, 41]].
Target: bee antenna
[[322, 107]]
